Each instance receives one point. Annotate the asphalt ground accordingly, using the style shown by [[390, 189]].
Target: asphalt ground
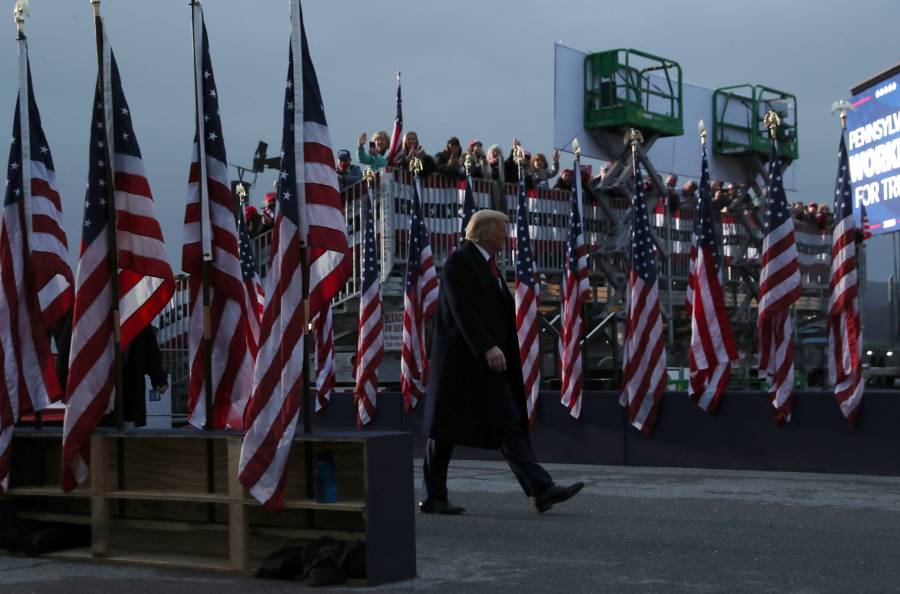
[[630, 530]]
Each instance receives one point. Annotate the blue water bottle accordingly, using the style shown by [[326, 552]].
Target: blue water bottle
[[325, 478]]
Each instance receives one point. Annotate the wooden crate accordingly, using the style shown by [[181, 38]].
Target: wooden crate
[[172, 498]]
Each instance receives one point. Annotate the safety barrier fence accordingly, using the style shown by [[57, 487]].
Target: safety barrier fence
[[605, 226]]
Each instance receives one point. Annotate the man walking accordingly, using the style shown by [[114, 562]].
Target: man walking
[[476, 396]]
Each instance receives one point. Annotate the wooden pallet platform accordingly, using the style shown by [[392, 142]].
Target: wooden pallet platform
[[171, 498]]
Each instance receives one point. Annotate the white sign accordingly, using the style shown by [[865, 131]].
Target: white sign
[[393, 330], [159, 408]]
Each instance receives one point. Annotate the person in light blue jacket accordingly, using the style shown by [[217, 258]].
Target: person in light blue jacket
[[376, 155]]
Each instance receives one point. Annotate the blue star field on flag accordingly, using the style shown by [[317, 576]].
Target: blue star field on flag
[[248, 258], [703, 215], [14, 187], [777, 211], [642, 252], [575, 230], [843, 204], [40, 150], [371, 264], [468, 208], [418, 240], [287, 176], [96, 209], [524, 255], [215, 146]]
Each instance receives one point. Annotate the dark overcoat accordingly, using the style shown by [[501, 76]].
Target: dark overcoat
[[464, 401], [142, 358]]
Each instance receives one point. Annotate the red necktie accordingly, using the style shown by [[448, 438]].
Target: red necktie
[[494, 268]]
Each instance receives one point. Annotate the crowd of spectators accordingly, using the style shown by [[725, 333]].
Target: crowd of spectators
[[456, 162], [818, 214]]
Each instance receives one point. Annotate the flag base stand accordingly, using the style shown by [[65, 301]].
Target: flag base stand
[[158, 516]]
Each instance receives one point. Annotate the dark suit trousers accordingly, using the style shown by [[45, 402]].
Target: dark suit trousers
[[515, 448]]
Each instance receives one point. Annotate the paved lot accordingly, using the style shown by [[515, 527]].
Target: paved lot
[[631, 530]]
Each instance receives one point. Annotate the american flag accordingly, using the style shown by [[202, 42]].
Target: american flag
[[395, 152], [211, 240], [643, 355], [36, 287], [844, 326], [370, 335], [528, 291], [47, 241], [712, 344], [466, 204], [323, 335], [308, 207], [866, 228], [419, 303], [145, 282], [253, 289], [577, 290], [779, 287]]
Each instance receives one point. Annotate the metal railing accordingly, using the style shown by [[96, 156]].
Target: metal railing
[[605, 227]]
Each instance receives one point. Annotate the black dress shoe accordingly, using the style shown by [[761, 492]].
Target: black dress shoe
[[555, 494], [439, 506]]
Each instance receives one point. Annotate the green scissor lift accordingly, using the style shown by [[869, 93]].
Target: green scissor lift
[[623, 89], [627, 88], [738, 126]]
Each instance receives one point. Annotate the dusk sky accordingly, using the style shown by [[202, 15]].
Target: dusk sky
[[469, 69]]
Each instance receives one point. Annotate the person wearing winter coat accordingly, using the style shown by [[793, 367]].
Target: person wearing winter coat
[[540, 173], [376, 156], [476, 393], [412, 149], [479, 168], [450, 161]]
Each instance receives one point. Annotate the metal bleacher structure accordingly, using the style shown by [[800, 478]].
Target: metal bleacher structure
[[606, 236], [612, 84]]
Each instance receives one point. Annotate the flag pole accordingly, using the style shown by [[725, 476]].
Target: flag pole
[[300, 193], [579, 204], [841, 107], [633, 137], [19, 13], [205, 218], [112, 256]]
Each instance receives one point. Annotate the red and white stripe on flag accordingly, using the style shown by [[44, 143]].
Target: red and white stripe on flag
[[210, 212], [29, 383], [712, 344], [48, 243], [395, 149], [644, 355], [144, 283], [845, 343], [528, 291], [644, 374], [274, 407], [419, 304], [309, 211], [779, 288], [323, 333], [370, 329], [577, 291]]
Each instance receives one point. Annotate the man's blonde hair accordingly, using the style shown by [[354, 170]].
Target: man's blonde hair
[[482, 221]]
